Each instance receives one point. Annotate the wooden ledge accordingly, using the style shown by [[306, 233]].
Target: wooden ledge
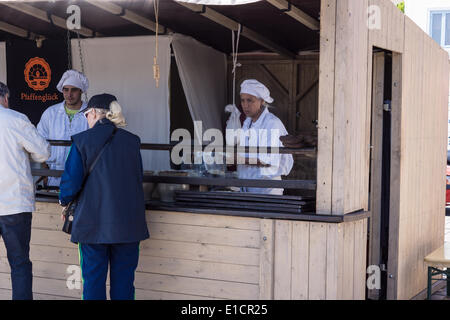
[[313, 217]]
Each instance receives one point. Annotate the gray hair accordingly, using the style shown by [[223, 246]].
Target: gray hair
[[3, 90]]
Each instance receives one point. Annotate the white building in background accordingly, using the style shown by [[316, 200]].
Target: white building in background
[[433, 16]]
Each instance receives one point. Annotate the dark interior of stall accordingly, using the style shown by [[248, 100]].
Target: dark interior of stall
[[284, 55]]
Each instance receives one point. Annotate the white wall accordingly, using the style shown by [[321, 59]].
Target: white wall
[[419, 12]]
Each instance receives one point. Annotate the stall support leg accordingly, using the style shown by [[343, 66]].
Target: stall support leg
[[429, 283], [447, 272]]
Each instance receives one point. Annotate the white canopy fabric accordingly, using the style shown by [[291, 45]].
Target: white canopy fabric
[[123, 66], [3, 62], [203, 74]]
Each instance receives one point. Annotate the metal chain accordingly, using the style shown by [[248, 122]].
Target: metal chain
[[69, 51], [156, 74], [235, 49], [81, 62]]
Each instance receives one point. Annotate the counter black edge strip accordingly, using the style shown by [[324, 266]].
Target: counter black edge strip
[[268, 215], [359, 215]]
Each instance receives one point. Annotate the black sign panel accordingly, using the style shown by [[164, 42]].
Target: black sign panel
[[33, 74]]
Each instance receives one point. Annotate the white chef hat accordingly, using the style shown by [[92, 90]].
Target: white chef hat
[[73, 78], [257, 89]]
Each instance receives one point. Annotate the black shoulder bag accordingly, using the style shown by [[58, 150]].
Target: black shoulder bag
[[69, 210]]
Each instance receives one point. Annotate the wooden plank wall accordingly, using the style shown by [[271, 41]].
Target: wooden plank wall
[[422, 163], [326, 106], [318, 261], [376, 161], [389, 33], [198, 256], [189, 256], [343, 110], [420, 102]]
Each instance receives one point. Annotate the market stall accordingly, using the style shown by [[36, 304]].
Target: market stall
[[317, 239]]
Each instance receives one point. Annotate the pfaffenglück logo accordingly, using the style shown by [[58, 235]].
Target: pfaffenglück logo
[[38, 73]]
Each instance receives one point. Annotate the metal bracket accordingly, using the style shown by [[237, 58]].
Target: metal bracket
[[202, 11], [289, 8], [122, 13], [49, 17]]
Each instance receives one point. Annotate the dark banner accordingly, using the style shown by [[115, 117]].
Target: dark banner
[[33, 74]]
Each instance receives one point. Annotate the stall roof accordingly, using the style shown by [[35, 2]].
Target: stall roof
[[261, 17]]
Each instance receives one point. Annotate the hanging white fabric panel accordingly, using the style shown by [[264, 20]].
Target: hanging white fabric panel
[[2, 62], [123, 66], [203, 73]]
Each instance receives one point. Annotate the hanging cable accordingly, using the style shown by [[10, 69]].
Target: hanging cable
[[155, 58], [69, 51], [81, 63], [235, 49]]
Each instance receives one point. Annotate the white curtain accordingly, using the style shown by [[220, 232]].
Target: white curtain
[[3, 62], [203, 73], [123, 66]]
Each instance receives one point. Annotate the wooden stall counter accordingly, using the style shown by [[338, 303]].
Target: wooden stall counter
[[201, 255]]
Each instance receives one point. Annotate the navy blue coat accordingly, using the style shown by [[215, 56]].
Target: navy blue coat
[[111, 206]]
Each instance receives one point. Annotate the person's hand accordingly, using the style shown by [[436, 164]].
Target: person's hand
[[63, 217], [45, 180], [251, 162], [261, 164]]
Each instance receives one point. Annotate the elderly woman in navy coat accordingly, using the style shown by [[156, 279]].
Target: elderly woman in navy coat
[[109, 221]]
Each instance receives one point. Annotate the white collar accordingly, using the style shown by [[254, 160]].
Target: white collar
[[260, 119], [62, 108]]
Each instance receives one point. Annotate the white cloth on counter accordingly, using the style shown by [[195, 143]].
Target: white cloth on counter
[[265, 132], [19, 140], [55, 125]]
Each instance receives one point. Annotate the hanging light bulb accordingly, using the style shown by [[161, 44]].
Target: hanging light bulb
[[218, 2]]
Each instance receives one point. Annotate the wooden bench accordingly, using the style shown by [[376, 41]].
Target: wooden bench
[[438, 260]]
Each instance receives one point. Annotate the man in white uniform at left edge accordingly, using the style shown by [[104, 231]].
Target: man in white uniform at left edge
[[19, 141], [63, 120]]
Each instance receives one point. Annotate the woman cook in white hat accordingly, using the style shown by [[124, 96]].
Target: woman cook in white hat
[[261, 128]]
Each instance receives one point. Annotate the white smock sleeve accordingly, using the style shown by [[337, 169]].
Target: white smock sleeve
[[280, 164]]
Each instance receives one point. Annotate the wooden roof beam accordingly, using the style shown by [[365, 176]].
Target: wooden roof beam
[[42, 15], [233, 25], [9, 28], [128, 15], [296, 13]]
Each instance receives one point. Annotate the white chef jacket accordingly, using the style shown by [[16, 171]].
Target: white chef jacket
[[55, 125], [19, 140], [266, 131]]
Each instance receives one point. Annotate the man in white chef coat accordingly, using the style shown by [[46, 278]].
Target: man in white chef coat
[[63, 120]]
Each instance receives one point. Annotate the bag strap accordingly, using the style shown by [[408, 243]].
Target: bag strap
[[93, 165], [101, 152]]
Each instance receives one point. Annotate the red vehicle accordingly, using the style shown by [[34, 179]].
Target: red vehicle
[[447, 195]]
